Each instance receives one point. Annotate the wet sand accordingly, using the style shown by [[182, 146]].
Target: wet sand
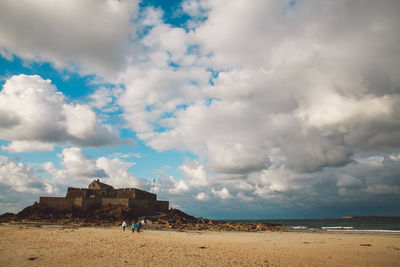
[[22, 245]]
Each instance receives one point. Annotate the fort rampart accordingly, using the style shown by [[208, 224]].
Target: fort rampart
[[58, 202], [124, 202]]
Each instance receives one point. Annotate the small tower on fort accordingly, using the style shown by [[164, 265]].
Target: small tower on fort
[[97, 185]]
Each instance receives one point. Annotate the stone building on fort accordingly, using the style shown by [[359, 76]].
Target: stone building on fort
[[99, 194]]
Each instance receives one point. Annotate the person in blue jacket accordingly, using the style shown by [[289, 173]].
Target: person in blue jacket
[[133, 227], [138, 226]]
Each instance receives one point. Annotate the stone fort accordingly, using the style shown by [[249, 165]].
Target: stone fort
[[99, 194]]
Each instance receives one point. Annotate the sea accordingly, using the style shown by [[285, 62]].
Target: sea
[[378, 225]]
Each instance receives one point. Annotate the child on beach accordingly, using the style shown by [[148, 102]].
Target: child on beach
[[123, 225], [133, 227]]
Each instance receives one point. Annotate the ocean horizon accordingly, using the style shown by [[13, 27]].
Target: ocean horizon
[[370, 224]]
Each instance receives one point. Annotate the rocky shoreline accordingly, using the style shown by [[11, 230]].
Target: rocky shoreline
[[174, 219]]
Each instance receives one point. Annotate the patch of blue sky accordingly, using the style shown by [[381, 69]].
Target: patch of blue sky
[[210, 100], [159, 128], [182, 106], [142, 31], [127, 133], [149, 108], [167, 115], [173, 65], [193, 50], [111, 114], [40, 171], [149, 163], [214, 75], [172, 11], [71, 84], [37, 157]]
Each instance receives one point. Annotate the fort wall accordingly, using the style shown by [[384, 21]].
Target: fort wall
[[162, 205], [140, 194], [78, 202], [58, 202], [124, 193], [138, 204], [90, 202], [116, 201], [75, 192]]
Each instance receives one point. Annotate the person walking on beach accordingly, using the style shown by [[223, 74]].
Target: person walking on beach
[[133, 227], [138, 226], [123, 225]]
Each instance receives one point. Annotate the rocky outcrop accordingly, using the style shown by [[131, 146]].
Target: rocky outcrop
[[113, 215], [178, 220], [106, 215]]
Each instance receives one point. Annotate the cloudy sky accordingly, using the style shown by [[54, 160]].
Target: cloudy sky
[[236, 109]]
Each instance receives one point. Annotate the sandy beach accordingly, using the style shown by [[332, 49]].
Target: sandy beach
[[23, 245]]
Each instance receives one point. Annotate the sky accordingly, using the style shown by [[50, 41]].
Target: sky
[[256, 109]]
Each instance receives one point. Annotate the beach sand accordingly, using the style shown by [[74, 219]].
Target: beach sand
[[23, 245]]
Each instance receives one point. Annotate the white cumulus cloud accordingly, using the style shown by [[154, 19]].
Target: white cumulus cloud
[[222, 194], [202, 196], [91, 36], [41, 117]]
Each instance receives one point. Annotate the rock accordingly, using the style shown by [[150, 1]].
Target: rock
[[259, 227]]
